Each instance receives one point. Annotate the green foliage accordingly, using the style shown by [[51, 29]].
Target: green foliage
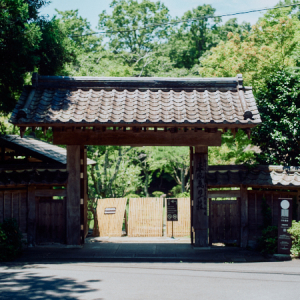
[[10, 240], [28, 43], [267, 242], [157, 194], [294, 231], [279, 134]]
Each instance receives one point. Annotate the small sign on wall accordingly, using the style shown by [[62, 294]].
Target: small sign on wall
[[284, 223], [109, 210]]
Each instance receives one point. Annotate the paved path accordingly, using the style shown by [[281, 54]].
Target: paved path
[[143, 281], [139, 250]]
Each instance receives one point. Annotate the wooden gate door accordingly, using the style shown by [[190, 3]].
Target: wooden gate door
[[224, 221], [50, 221]]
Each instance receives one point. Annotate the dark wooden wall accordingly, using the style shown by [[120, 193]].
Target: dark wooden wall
[[13, 204]]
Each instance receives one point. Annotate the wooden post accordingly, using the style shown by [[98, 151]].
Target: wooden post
[[244, 216], [200, 216], [31, 229], [191, 193], [73, 196], [298, 202], [85, 192]]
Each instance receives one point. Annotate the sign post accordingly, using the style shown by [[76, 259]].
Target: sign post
[[172, 211], [284, 223]]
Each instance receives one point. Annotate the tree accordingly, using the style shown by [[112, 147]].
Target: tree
[[27, 43], [271, 45], [279, 134]]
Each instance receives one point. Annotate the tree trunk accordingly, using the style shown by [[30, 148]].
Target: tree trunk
[[182, 180], [96, 231]]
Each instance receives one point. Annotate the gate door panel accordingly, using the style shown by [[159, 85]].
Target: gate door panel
[[51, 221], [224, 221]]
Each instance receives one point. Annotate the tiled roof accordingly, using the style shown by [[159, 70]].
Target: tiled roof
[[35, 177], [268, 176], [52, 100], [39, 147]]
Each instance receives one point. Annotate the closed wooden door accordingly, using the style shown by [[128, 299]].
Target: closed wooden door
[[51, 221], [224, 221]]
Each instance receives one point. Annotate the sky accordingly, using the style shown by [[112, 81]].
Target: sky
[[90, 9]]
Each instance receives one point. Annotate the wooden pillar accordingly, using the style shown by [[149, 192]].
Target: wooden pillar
[[191, 192], [31, 223], [244, 217], [298, 202], [200, 216], [73, 196], [85, 192]]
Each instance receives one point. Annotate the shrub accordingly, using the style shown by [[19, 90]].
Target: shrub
[[267, 243], [10, 240], [294, 231], [157, 194]]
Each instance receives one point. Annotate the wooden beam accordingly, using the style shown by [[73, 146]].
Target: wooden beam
[[298, 202], [222, 194], [200, 216], [73, 196], [191, 192], [244, 217], [31, 216], [51, 193], [132, 138]]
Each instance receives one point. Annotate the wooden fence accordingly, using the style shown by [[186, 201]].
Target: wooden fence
[[111, 224], [182, 227], [145, 217]]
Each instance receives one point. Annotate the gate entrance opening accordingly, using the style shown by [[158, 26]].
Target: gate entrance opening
[[83, 111]]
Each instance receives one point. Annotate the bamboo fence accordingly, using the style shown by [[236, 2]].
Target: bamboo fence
[[182, 227], [145, 217], [111, 224]]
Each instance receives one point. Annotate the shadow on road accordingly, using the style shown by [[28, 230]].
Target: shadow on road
[[29, 285]]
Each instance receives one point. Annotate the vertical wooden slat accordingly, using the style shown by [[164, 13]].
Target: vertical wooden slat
[[31, 231], [23, 211], [145, 217], [15, 206], [85, 192], [73, 196], [111, 224], [210, 222], [182, 226], [200, 217], [244, 216], [7, 205], [1, 206]]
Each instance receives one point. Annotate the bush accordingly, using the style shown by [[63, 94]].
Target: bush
[[267, 243], [10, 240], [294, 231], [157, 194]]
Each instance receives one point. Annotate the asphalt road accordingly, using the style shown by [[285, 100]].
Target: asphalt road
[[217, 281]]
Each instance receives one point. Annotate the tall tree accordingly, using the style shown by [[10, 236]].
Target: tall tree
[[28, 42], [279, 134]]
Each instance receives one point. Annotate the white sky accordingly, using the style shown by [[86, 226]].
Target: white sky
[[90, 9]]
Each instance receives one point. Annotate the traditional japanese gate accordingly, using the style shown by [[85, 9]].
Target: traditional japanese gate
[[136, 112]]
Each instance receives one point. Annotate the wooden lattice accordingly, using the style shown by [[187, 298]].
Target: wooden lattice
[[182, 227], [145, 217], [111, 224]]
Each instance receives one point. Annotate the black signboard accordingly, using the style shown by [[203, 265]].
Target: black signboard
[[284, 223], [172, 210]]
